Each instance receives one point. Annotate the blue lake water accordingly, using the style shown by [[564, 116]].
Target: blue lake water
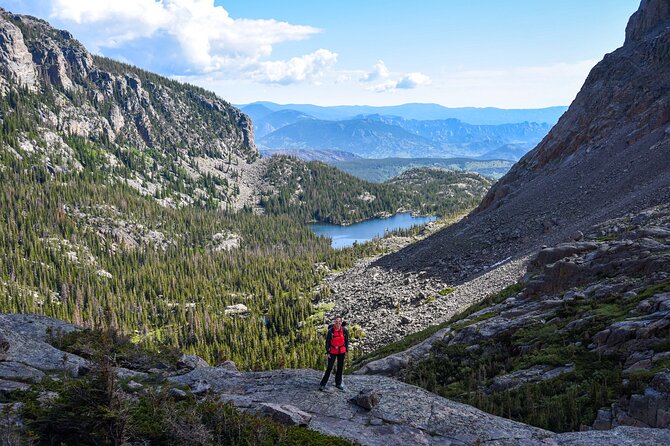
[[364, 231]]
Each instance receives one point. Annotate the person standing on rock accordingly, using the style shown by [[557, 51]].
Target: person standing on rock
[[337, 344]]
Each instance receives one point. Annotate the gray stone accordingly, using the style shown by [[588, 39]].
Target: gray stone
[[409, 415], [603, 420], [134, 386], [7, 387], [17, 371], [177, 394], [534, 374], [47, 397], [200, 387], [236, 310], [191, 362], [367, 399], [285, 414], [228, 365], [619, 436], [661, 382], [123, 373], [25, 339]]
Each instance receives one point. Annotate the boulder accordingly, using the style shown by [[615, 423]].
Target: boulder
[[237, 309], [7, 387], [533, 374], [24, 340], [228, 365], [177, 394], [47, 397], [285, 414], [367, 399], [134, 386], [200, 387], [603, 420], [551, 255], [191, 362], [661, 382], [124, 373], [16, 371]]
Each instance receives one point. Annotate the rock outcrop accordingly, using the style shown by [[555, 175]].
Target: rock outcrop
[[404, 415], [607, 155], [26, 357], [153, 126]]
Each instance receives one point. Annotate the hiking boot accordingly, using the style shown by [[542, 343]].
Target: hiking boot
[[341, 387], [322, 388]]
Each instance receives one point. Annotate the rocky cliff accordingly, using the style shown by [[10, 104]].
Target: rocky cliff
[[177, 142], [608, 154]]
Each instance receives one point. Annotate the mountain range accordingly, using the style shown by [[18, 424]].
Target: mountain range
[[383, 136], [421, 112]]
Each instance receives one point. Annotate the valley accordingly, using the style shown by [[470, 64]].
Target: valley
[[160, 283], [201, 246]]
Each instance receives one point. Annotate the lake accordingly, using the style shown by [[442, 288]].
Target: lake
[[364, 231]]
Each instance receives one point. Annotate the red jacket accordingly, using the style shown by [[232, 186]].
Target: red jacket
[[337, 341]]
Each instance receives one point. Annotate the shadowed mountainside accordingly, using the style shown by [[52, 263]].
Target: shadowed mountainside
[[608, 155]]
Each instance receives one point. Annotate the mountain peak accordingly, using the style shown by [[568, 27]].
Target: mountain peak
[[651, 18]]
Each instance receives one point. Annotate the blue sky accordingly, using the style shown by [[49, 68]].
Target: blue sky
[[509, 54]]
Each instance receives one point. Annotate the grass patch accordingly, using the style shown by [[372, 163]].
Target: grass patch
[[468, 322], [446, 291], [319, 316]]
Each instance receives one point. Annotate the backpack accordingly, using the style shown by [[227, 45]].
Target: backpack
[[337, 341]]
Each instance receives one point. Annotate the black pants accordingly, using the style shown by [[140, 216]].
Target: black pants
[[338, 372]]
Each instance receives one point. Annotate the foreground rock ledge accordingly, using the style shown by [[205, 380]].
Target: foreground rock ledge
[[405, 415]]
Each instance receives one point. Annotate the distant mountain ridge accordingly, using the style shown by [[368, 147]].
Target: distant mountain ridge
[[470, 115], [363, 137], [377, 136], [267, 121]]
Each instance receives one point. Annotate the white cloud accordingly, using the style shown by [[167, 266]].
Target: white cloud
[[379, 71], [514, 87], [412, 80], [206, 38], [406, 82], [297, 69]]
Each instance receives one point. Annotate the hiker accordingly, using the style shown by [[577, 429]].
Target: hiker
[[337, 344]]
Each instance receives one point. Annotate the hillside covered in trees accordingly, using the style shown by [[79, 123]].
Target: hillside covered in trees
[[118, 194], [314, 191]]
